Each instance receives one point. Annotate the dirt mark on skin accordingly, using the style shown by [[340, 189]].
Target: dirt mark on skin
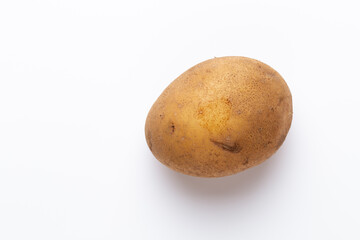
[[281, 99], [234, 148], [172, 127]]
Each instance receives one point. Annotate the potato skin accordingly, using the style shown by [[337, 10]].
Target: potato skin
[[220, 117]]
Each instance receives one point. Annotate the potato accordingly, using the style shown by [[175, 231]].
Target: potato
[[220, 117]]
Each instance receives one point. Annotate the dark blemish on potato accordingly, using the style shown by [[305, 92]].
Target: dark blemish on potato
[[162, 116], [246, 161], [172, 126], [280, 100], [260, 130], [234, 148]]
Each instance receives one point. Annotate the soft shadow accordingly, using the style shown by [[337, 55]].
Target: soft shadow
[[242, 184]]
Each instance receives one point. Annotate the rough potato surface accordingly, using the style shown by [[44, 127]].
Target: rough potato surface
[[220, 117]]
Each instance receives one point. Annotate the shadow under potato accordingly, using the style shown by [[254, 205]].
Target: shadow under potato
[[240, 184]]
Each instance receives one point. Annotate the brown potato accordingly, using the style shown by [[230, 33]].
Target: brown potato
[[220, 117]]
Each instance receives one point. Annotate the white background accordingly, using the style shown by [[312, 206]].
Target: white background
[[77, 79]]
